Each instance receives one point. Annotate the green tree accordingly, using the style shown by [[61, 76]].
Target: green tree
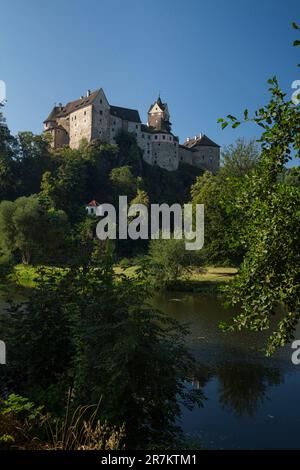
[[269, 275], [33, 158], [123, 182], [28, 228], [167, 260], [86, 331], [7, 164], [224, 221]]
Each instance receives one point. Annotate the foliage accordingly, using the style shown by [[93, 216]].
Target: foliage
[[167, 261], [123, 182], [19, 421], [224, 221], [98, 336], [27, 227], [269, 275]]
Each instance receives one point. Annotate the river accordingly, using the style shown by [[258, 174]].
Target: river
[[251, 401]]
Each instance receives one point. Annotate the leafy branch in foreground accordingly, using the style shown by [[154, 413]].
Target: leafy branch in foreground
[[268, 284]]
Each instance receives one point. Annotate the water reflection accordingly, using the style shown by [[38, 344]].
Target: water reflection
[[243, 387], [251, 401]]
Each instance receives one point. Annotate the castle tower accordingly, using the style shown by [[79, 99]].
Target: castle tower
[[159, 117]]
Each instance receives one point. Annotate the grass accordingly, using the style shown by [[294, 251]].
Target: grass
[[194, 279]]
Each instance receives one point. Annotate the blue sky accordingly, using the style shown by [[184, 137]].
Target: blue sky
[[207, 58]]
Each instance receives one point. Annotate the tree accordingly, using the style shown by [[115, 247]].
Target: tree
[[33, 159], [167, 260], [26, 227], [240, 159], [224, 221], [291, 176], [269, 275], [83, 330], [123, 182], [7, 170], [66, 185]]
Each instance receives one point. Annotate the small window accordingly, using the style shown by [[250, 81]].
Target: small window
[[164, 137], [85, 113], [148, 151], [101, 112], [155, 137], [136, 126], [143, 136], [100, 101], [149, 137]]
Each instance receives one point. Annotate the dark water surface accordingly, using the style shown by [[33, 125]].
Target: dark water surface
[[252, 402]]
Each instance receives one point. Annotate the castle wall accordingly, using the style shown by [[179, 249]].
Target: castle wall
[[145, 143], [80, 126], [61, 138], [165, 154], [206, 158], [101, 118]]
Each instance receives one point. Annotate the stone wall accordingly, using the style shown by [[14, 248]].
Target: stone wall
[[80, 126], [206, 158], [165, 154]]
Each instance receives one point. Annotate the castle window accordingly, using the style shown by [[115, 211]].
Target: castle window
[[143, 136], [113, 130], [164, 137], [170, 138], [149, 137], [136, 126], [85, 113], [101, 112], [100, 101], [148, 151], [155, 137]]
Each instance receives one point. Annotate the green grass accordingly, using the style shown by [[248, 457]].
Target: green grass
[[201, 279]]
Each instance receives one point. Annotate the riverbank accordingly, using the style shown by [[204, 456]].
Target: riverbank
[[207, 279]]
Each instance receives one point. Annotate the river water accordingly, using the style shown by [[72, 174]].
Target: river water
[[251, 401]]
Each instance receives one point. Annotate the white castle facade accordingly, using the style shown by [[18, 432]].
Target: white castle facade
[[92, 118]]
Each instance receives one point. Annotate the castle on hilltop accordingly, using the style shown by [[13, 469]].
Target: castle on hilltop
[[92, 118]]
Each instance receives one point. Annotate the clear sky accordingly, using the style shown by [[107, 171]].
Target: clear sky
[[208, 58]]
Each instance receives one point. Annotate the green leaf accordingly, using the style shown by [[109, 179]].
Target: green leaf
[[296, 43], [225, 124], [294, 25], [236, 124]]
